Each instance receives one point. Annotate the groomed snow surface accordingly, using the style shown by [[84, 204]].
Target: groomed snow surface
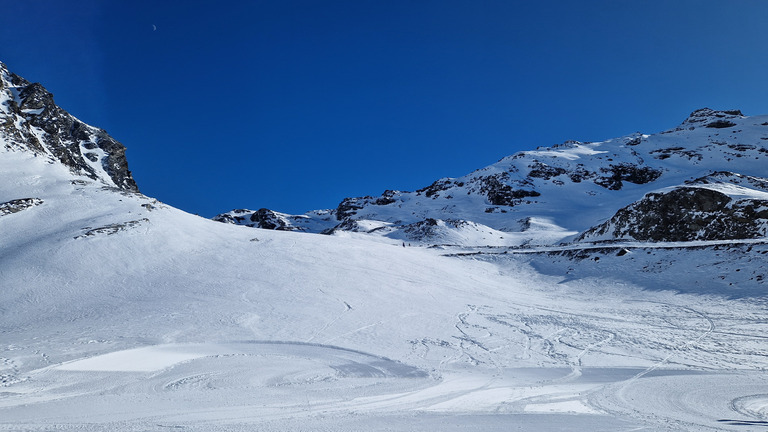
[[121, 314]]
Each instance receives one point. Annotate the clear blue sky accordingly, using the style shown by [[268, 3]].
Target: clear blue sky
[[294, 105]]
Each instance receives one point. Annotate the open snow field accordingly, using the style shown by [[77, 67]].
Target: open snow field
[[119, 313]]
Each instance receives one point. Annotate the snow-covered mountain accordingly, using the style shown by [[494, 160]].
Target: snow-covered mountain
[[31, 121], [118, 312], [549, 195]]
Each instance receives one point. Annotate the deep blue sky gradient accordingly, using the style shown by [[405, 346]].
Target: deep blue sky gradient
[[294, 105]]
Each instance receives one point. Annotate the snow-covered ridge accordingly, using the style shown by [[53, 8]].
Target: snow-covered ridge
[[31, 121], [570, 188]]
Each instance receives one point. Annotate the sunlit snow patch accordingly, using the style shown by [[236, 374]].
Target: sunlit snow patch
[[146, 359], [572, 152]]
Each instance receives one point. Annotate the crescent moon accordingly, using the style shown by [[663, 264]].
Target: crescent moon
[[154, 27]]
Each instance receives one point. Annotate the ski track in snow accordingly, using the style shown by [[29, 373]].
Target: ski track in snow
[[708, 331], [347, 308], [540, 351], [300, 380]]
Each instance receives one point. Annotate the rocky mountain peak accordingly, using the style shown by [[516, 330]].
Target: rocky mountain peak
[[31, 121], [712, 118]]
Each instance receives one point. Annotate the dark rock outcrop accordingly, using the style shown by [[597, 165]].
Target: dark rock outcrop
[[619, 173], [686, 214], [499, 193], [267, 219], [349, 207], [17, 205], [433, 190], [236, 216], [261, 218], [720, 124], [431, 228], [348, 225], [711, 118], [544, 171]]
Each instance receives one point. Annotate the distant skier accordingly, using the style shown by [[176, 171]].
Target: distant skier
[[403, 244]]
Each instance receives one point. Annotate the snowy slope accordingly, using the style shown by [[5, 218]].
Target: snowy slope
[[118, 312], [563, 190]]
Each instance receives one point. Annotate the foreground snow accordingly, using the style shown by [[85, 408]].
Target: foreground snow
[[120, 313]]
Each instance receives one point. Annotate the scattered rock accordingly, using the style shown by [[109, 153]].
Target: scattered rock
[[544, 171], [622, 172], [432, 191], [500, 194], [17, 205], [111, 228]]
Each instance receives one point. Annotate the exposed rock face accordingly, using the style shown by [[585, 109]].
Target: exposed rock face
[[502, 194], [30, 120], [710, 118], [267, 219], [686, 214], [421, 230], [720, 124], [619, 173], [433, 190], [347, 225], [544, 171], [431, 228], [261, 218], [349, 207]]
